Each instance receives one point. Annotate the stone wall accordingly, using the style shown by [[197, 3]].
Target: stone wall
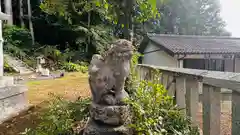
[[12, 98]]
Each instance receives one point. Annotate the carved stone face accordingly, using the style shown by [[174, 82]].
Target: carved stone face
[[105, 79]]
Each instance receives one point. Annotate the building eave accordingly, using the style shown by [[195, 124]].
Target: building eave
[[146, 42]]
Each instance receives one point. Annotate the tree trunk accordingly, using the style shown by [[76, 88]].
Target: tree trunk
[[30, 21], [133, 26], [89, 38], [126, 32], [128, 7], [8, 10], [21, 13]]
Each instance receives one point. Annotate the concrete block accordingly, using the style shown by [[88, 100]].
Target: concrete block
[[12, 101], [6, 81]]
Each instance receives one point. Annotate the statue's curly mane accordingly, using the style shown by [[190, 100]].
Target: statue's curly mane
[[119, 47]]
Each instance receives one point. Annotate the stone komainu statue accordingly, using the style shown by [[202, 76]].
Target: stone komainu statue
[[107, 74]]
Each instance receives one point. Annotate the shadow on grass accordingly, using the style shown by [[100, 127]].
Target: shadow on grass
[[26, 119]]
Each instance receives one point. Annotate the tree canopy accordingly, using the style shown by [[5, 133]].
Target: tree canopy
[[198, 17], [85, 27]]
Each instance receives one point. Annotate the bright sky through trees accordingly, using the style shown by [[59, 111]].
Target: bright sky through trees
[[230, 13]]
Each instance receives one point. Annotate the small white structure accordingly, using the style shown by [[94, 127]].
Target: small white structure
[[12, 96], [40, 61], [43, 71]]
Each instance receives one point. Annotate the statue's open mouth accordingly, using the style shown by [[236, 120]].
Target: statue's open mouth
[[112, 90]]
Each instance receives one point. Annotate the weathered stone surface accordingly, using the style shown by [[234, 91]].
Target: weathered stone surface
[[107, 73], [10, 91], [93, 128], [6, 81], [113, 115], [12, 101], [109, 115]]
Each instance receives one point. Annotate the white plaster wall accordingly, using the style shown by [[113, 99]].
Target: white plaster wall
[[237, 65], [158, 58], [228, 65]]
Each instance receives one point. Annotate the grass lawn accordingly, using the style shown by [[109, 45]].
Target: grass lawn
[[70, 87]]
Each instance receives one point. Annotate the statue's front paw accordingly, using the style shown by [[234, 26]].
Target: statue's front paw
[[108, 100], [120, 97]]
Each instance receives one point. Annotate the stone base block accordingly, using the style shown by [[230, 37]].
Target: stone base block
[[112, 115], [12, 101], [93, 128], [6, 81]]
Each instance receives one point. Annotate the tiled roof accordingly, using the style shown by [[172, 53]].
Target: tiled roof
[[196, 44]]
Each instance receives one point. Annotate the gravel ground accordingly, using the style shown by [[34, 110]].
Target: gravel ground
[[226, 118]]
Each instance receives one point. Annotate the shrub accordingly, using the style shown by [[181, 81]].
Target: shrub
[[60, 116], [60, 60], [18, 43], [131, 81], [17, 36], [154, 112], [72, 67], [31, 62], [7, 68], [53, 53]]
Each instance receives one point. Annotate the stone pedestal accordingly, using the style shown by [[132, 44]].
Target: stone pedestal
[[108, 120], [98, 128], [112, 115], [12, 99]]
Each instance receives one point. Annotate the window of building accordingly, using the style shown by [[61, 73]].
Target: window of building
[[204, 64]]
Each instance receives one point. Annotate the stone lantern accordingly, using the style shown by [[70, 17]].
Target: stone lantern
[[40, 61]]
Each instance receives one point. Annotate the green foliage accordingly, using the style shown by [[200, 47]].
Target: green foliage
[[63, 60], [52, 53], [60, 116], [121, 14], [30, 61], [187, 17], [72, 67], [17, 43], [102, 37], [154, 112], [17, 36], [146, 10], [7, 68], [15, 51], [67, 7], [132, 82], [78, 34]]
